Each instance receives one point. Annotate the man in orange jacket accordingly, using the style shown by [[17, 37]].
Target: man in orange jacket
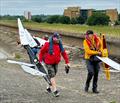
[[50, 54], [92, 45]]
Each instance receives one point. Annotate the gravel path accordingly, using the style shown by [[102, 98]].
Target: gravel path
[[16, 86]]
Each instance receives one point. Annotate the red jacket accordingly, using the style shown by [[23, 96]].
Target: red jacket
[[55, 57]]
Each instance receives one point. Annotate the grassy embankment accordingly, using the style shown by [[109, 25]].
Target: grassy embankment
[[108, 30]]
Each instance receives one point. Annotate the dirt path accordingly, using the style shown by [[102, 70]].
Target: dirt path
[[16, 86]]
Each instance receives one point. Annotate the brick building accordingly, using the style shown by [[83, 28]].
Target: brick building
[[74, 12], [113, 14]]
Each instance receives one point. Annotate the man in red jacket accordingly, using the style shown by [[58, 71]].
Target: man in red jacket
[[50, 54]]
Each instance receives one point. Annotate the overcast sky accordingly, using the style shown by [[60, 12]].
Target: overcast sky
[[17, 7]]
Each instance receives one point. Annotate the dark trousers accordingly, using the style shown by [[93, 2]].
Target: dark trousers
[[93, 70]]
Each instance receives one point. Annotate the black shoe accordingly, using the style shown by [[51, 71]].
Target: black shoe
[[86, 89], [56, 93], [95, 91], [49, 90]]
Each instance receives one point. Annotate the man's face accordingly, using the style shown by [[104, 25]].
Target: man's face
[[55, 40], [90, 36]]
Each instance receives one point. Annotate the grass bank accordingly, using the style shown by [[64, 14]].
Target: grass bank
[[108, 30]]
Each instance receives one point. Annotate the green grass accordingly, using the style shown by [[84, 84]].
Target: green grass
[[108, 30], [113, 102], [17, 56]]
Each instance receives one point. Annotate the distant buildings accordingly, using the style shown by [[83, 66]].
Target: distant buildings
[[74, 12], [27, 15]]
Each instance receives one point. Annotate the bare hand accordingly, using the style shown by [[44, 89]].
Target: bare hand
[[100, 53]]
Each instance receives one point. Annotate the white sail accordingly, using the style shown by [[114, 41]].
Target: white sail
[[25, 37], [30, 39], [41, 41], [32, 71], [22, 34], [20, 63], [110, 62]]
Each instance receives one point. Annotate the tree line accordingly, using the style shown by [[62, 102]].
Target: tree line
[[95, 19]]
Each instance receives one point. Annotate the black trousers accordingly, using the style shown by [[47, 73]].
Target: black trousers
[[93, 70]]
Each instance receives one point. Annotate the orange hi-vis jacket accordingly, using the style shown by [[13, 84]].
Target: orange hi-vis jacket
[[91, 48]]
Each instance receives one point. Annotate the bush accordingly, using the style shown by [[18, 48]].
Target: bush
[[64, 20], [117, 22], [73, 21], [80, 20], [37, 18], [98, 19], [9, 17], [17, 55], [53, 19], [119, 17]]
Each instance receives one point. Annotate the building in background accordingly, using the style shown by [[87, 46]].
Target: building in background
[[27, 15], [113, 14], [74, 12]]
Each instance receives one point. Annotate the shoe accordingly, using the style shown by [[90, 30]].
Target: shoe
[[49, 90], [56, 93], [86, 89], [95, 91]]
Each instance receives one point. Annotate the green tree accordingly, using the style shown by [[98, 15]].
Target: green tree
[[118, 17], [64, 20], [98, 19], [80, 20], [37, 18], [53, 19], [117, 22], [9, 17], [73, 21]]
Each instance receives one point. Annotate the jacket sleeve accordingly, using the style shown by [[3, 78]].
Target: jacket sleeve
[[42, 52], [65, 56], [88, 50]]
